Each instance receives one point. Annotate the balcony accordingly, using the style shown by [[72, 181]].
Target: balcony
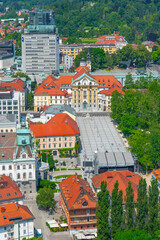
[[83, 222]]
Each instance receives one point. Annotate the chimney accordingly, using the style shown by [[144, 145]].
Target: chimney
[[3, 209]]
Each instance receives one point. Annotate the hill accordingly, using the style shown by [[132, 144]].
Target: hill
[[137, 20]]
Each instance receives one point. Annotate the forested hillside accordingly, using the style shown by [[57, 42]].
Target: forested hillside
[[137, 20]]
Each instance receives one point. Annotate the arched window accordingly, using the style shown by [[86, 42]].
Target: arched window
[[24, 175], [18, 167], [18, 176]]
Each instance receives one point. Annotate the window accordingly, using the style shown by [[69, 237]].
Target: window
[[2, 130], [44, 145], [0, 196], [18, 167], [54, 145], [24, 166], [70, 138], [30, 175], [49, 139], [10, 175], [88, 211], [49, 145], [18, 176], [3, 167], [65, 144], [15, 193], [65, 139], [70, 144], [43, 139], [59, 144], [30, 166], [10, 167], [24, 224], [59, 139], [24, 175], [81, 227], [8, 194], [75, 212], [24, 231]]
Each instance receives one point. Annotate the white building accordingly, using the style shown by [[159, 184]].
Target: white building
[[68, 61], [10, 102], [16, 222], [8, 123]]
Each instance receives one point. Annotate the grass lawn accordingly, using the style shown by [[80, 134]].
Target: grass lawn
[[70, 169], [88, 40], [62, 176]]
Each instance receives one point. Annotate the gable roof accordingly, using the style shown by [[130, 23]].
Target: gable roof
[[13, 212], [111, 90], [80, 67], [8, 189], [60, 125], [64, 80], [77, 192], [81, 72], [49, 87], [123, 177], [17, 85], [106, 81]]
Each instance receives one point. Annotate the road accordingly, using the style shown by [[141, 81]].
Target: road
[[40, 221]]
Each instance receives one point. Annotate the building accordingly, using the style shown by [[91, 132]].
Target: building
[[78, 201], [48, 93], [104, 97], [123, 178], [109, 44], [7, 54], [16, 222], [68, 61], [10, 102], [84, 91], [8, 123], [9, 192], [59, 132], [19, 86], [156, 176], [18, 159], [40, 44]]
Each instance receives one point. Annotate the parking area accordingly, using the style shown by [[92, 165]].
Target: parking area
[[41, 217]]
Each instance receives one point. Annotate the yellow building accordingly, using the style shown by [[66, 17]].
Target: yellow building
[[84, 91]]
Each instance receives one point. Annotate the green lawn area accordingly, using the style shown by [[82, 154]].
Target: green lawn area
[[89, 40], [62, 176], [70, 169]]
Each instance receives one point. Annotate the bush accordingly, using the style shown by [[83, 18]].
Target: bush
[[47, 183]]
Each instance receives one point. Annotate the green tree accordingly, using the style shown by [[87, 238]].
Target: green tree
[[133, 235], [102, 213], [45, 198], [129, 83], [142, 205], [143, 56], [117, 106], [30, 100], [156, 55], [116, 210], [153, 221], [128, 123], [129, 207], [46, 183]]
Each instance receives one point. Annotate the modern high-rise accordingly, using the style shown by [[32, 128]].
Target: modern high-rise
[[40, 44]]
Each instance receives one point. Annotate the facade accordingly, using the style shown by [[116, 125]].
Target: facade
[[104, 97], [20, 87], [7, 53], [123, 177], [8, 123], [84, 91], [48, 93], [59, 132], [16, 222], [9, 192], [109, 44], [18, 159], [78, 201], [10, 102], [68, 61], [40, 44]]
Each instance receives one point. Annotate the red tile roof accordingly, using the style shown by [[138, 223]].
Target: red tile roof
[[156, 173], [111, 90], [17, 85], [107, 81], [8, 189], [60, 125], [123, 177], [81, 72], [49, 87], [13, 212], [64, 80], [76, 192], [80, 67]]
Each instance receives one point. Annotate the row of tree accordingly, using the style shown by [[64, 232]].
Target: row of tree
[[139, 57], [115, 215], [137, 114]]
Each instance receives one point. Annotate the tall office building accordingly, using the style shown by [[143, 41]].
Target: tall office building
[[40, 44]]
